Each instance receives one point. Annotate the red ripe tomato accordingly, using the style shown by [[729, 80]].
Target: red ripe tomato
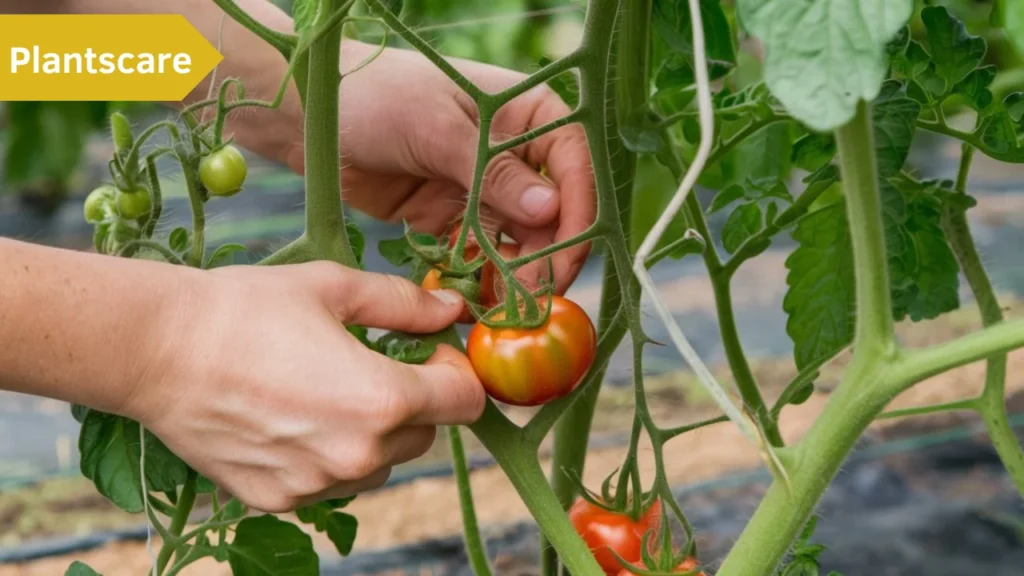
[[605, 531], [689, 564], [533, 366]]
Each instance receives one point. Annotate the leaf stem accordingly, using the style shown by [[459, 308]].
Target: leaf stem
[[970, 404], [186, 500], [284, 43]]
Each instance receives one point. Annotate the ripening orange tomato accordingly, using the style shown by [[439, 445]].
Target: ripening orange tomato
[[533, 366]]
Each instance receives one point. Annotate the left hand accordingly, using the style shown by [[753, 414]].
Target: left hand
[[409, 142]]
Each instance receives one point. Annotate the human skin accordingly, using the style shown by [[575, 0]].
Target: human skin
[[247, 373]]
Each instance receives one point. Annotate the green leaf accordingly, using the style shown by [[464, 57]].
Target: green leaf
[[79, 412], [743, 222], [974, 87], [398, 252], [110, 449], [178, 240], [79, 569], [998, 132], [914, 61], [339, 526], [766, 153], [639, 133], [802, 566], [1014, 104], [807, 531], [817, 68], [821, 286], [358, 241], [898, 45], [813, 150], [224, 255], [267, 546], [671, 21], [935, 285], [954, 51], [726, 196], [304, 13]]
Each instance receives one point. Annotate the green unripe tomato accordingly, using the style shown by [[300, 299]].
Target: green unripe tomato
[[96, 203], [223, 171], [134, 204]]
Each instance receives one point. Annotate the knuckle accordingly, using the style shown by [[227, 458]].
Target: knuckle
[[394, 407], [502, 170], [274, 502], [360, 459]]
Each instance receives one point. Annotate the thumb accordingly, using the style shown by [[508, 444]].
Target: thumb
[[389, 302], [517, 191]]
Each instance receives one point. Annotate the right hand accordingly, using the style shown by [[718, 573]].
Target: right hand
[[260, 387]]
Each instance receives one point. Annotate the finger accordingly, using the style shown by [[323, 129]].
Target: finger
[[445, 390], [347, 489], [390, 302], [519, 192], [566, 263], [408, 443]]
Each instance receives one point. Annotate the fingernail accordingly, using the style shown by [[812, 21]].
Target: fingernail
[[535, 199], [447, 297]]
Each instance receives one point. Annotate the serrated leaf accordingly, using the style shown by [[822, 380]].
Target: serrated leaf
[[267, 546], [812, 151], [801, 566], [998, 133], [821, 286], [935, 285], [110, 449], [340, 527], [224, 255], [726, 196], [811, 550], [954, 51], [79, 569], [398, 252], [820, 77], [898, 45], [913, 62], [178, 240], [974, 88], [743, 222]]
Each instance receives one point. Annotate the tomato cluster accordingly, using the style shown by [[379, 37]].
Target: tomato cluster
[[609, 533], [522, 366]]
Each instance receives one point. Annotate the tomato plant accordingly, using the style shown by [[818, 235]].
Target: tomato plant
[[610, 534], [802, 129], [532, 366], [223, 171], [689, 565], [98, 202]]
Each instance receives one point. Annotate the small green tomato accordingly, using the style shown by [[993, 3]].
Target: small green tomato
[[223, 171], [134, 204], [96, 203]]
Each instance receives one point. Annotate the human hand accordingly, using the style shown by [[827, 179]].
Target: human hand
[[409, 144], [261, 388]]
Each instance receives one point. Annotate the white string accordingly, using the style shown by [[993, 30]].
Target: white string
[[707, 130]]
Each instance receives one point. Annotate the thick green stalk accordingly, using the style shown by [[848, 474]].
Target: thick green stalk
[[859, 398], [992, 403], [476, 551], [325, 219], [197, 253], [572, 434], [186, 500], [874, 334]]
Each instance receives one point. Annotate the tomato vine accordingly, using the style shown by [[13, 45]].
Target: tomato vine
[[887, 244]]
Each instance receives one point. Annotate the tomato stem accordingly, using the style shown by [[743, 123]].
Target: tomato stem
[[186, 501], [476, 551]]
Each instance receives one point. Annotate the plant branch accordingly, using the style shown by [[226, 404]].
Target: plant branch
[[186, 500], [576, 115], [546, 73], [284, 43], [917, 365]]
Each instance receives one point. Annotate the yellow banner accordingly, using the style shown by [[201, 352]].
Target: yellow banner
[[102, 57]]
